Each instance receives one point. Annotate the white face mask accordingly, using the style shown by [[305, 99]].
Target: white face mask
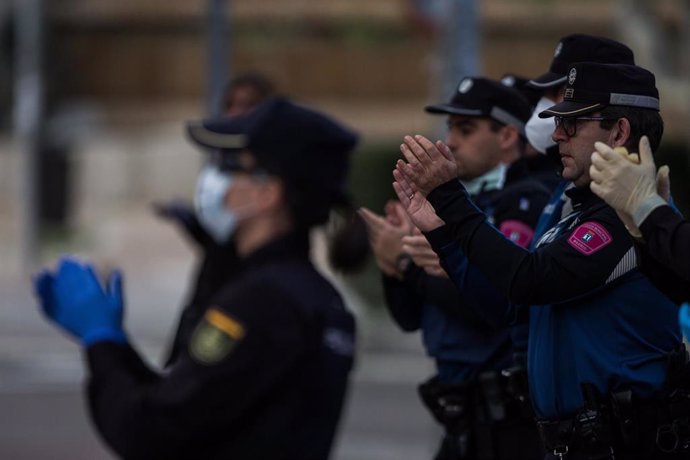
[[209, 203], [540, 130]]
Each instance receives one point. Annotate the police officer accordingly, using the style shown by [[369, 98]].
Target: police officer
[[600, 332], [265, 371], [217, 261], [541, 166], [570, 49], [486, 419]]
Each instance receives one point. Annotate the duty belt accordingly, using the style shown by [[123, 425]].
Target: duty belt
[[641, 429]]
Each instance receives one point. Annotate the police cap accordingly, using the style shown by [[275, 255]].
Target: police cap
[[581, 48], [592, 86], [307, 149], [520, 83], [482, 97]]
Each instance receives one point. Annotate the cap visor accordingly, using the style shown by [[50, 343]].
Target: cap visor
[[570, 109], [453, 110], [548, 80]]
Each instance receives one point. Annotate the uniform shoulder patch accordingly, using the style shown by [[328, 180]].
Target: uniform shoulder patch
[[589, 238], [518, 232], [215, 336]]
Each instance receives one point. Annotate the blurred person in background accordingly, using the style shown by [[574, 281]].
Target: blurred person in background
[[265, 372], [485, 413], [246, 91]]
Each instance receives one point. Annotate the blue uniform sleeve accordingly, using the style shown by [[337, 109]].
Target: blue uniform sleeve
[[515, 211], [478, 294], [571, 266], [403, 302]]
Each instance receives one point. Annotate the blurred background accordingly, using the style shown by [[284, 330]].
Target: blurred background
[[93, 99]]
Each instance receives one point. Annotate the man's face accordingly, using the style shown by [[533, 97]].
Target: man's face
[[474, 145], [576, 150], [240, 100]]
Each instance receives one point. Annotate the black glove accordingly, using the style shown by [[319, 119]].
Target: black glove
[[182, 213]]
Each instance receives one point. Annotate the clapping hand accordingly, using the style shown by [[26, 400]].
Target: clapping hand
[[73, 298], [427, 166]]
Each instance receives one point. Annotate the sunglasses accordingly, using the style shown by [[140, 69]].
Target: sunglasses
[[569, 124]]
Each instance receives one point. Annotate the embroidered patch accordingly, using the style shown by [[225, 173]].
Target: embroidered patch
[[524, 204], [215, 337], [589, 237], [339, 342], [517, 232]]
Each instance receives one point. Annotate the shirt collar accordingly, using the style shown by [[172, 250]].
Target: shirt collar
[[492, 180], [582, 197]]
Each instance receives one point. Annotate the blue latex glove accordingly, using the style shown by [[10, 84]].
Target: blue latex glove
[[74, 299], [684, 319]]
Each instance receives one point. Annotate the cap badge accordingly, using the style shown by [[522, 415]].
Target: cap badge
[[571, 76], [559, 48], [465, 85], [508, 80]]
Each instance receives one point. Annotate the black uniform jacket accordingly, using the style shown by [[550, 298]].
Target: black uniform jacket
[[597, 251], [666, 252], [263, 376]]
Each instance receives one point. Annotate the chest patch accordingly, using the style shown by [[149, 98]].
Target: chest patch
[[215, 337], [517, 232], [589, 238]]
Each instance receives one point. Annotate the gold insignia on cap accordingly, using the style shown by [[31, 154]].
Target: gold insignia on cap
[[215, 337]]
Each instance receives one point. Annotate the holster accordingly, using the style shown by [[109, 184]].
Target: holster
[[450, 404], [588, 431]]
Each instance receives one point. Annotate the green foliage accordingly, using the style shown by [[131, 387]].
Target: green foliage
[[370, 186], [371, 174]]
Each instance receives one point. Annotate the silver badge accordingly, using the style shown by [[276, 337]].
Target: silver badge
[[508, 80], [465, 85], [571, 76], [559, 48]]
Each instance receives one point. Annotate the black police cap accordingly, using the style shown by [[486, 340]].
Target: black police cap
[[592, 86], [581, 48], [520, 83], [482, 97], [307, 149]]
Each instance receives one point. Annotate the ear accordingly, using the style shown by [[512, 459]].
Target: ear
[[508, 138], [620, 133]]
